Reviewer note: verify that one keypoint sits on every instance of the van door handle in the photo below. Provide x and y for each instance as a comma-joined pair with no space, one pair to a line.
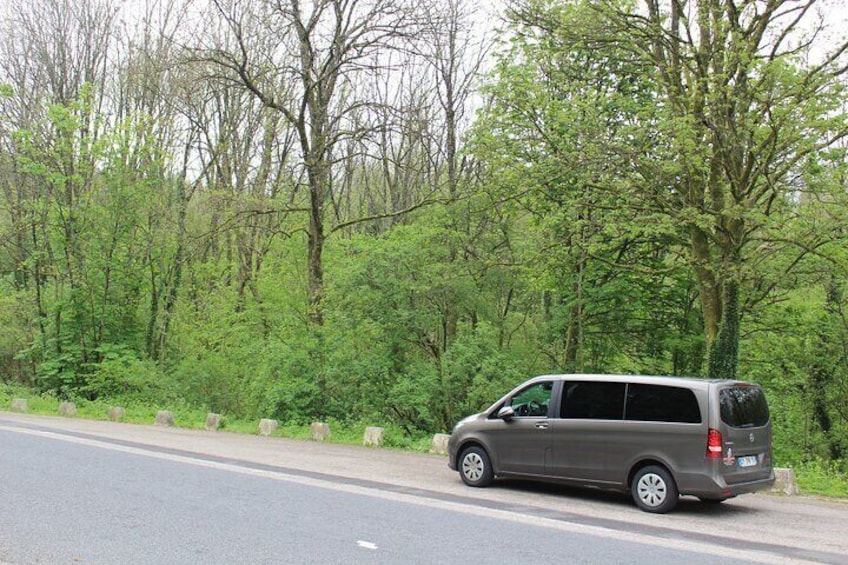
541,425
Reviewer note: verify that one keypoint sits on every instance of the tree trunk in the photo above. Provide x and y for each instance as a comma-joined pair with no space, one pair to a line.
723,351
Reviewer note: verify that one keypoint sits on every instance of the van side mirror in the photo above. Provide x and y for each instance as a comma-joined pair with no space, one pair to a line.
506,413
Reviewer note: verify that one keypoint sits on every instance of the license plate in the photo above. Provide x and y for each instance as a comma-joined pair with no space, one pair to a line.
747,461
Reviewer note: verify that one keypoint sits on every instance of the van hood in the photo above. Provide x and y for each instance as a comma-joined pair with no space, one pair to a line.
466,420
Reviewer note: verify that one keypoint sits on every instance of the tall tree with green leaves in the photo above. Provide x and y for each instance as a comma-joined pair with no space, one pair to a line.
733,113
557,137
742,110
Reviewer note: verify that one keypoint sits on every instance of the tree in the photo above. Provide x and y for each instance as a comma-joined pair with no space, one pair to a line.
55,59
303,61
742,113
157,100
455,52
561,124
733,114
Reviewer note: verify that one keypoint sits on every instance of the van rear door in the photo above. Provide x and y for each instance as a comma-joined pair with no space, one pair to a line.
745,430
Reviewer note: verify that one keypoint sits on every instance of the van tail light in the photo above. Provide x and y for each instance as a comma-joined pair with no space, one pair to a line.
713,443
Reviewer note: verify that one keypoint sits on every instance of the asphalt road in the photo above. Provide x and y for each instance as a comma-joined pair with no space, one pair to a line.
75,491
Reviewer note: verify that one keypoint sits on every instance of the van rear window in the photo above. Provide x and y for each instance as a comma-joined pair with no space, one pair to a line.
743,406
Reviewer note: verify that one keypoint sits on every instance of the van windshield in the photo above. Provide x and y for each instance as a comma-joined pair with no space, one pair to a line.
744,406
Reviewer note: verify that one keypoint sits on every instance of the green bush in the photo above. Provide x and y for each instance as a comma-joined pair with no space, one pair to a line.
821,477
121,373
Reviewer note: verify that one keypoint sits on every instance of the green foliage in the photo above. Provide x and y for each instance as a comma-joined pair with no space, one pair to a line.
17,320
93,188
59,373
827,478
296,390
799,342
120,373
410,336
558,141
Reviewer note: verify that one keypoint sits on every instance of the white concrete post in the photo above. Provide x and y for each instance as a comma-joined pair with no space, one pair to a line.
164,418
213,422
68,409
373,437
267,426
439,444
320,431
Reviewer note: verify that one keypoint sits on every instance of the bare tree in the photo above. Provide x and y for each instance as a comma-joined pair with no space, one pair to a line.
455,47
400,162
302,60
157,98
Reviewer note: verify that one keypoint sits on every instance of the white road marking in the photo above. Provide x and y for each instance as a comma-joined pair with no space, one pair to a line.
491,513
366,544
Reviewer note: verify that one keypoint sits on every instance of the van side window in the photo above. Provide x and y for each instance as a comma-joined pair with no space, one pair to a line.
658,403
592,400
533,401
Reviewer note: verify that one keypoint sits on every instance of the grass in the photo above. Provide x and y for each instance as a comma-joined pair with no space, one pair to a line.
137,412
822,478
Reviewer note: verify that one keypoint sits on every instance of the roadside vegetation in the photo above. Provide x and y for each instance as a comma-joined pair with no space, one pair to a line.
389,211
192,417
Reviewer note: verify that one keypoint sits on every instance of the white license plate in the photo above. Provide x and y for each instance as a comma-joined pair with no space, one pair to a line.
747,461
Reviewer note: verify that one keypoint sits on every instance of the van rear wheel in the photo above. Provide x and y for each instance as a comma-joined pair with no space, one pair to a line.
475,468
654,490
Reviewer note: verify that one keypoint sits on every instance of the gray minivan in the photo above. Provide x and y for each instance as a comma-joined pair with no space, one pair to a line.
658,437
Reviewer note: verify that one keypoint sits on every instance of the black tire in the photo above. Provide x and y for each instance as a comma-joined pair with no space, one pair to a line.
475,467
654,490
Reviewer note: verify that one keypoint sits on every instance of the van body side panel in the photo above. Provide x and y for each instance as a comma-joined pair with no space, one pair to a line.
605,451
679,447
522,446
584,450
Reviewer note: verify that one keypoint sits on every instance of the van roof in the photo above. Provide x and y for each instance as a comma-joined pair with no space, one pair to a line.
644,379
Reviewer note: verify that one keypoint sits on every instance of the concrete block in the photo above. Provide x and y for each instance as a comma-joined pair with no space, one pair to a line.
373,437
19,405
320,431
785,482
439,444
67,409
116,413
267,427
213,422
164,418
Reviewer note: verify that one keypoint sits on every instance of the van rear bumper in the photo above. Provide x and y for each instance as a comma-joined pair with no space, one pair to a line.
706,486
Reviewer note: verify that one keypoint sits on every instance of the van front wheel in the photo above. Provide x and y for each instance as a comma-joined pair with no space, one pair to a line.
475,468
654,490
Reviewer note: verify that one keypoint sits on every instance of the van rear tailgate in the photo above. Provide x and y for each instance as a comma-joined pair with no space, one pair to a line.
746,434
